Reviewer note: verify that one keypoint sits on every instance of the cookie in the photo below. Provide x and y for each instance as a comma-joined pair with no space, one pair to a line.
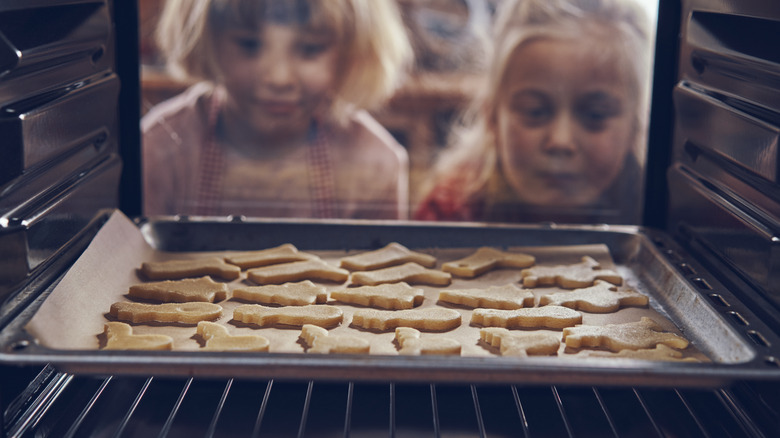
391,255
218,338
182,313
320,315
411,273
486,259
660,352
645,333
574,276
178,269
602,297
494,297
320,341
391,296
312,269
288,294
521,344
281,254
119,336
534,317
180,291
430,319
411,343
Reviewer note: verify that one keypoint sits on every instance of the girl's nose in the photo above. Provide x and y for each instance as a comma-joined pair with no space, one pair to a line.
561,138
277,71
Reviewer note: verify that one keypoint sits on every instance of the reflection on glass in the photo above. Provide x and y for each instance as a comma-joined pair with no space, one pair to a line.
512,110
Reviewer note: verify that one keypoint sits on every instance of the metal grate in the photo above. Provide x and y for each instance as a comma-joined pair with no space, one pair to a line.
64,405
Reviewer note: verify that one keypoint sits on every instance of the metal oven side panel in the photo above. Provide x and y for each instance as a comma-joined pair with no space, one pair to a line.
724,185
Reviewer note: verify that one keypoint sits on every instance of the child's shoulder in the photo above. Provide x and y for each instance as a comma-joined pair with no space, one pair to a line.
185,108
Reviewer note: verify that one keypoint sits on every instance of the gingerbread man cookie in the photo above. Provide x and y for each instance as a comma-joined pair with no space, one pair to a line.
645,333
391,296
573,276
532,317
602,297
288,294
495,297
179,291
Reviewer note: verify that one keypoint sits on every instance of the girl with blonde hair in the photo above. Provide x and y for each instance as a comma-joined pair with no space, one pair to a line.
559,131
276,123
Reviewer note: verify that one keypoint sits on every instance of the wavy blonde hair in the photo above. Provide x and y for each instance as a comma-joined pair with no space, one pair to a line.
471,160
370,34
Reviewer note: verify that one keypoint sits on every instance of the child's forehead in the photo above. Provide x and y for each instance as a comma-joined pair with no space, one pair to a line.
255,14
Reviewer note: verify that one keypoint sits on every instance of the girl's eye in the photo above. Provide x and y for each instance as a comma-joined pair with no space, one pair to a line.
532,110
312,50
249,46
594,114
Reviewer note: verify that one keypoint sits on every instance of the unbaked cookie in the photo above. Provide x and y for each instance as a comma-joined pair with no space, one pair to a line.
645,333
392,254
312,269
119,336
321,341
494,297
320,315
281,254
178,269
181,313
521,344
180,291
486,259
573,276
288,294
532,317
430,319
412,343
411,273
218,338
391,296
602,297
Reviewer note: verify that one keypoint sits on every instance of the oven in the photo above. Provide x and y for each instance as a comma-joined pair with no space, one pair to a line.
707,247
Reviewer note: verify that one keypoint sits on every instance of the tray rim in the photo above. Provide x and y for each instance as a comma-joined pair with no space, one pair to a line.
17,347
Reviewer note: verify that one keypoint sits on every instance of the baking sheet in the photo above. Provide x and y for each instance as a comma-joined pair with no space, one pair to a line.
66,327
74,314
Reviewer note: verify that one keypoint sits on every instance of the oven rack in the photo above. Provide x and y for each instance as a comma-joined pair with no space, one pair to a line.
59,404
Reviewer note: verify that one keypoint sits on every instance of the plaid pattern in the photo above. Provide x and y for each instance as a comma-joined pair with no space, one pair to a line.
320,170
212,166
321,182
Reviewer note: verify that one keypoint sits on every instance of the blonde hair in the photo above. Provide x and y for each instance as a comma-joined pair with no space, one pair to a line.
472,159
370,33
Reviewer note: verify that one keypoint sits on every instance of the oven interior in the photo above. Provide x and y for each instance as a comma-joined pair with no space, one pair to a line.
712,185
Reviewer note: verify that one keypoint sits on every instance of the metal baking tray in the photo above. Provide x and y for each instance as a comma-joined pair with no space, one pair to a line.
739,344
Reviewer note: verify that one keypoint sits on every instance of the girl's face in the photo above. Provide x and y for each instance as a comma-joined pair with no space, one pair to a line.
278,77
564,122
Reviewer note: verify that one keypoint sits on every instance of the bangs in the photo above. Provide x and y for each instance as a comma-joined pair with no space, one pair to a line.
253,14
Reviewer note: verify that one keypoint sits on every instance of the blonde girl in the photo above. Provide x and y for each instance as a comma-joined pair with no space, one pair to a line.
558,133
276,122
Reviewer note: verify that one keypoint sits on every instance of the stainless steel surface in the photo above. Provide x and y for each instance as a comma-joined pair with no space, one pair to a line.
185,407
710,315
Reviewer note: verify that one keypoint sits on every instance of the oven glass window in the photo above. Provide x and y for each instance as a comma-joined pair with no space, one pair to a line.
469,110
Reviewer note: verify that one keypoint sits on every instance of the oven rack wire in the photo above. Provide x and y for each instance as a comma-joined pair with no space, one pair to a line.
59,404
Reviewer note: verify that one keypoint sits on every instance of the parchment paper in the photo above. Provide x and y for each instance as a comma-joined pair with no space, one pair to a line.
74,314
